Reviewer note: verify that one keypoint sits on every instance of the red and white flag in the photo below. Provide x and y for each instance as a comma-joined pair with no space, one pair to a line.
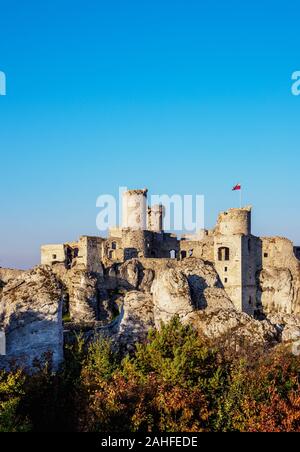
237,187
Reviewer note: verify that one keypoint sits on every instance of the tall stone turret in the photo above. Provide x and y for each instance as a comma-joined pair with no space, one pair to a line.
135,209
155,218
235,257
235,221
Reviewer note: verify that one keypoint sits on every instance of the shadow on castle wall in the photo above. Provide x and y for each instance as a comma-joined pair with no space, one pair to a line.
259,312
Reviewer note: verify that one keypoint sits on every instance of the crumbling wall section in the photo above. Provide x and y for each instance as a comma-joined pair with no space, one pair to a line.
203,249
51,254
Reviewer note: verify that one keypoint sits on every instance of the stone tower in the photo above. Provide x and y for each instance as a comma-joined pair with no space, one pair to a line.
134,223
155,218
135,209
235,257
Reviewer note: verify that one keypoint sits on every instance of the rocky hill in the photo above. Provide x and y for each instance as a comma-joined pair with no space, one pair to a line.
125,300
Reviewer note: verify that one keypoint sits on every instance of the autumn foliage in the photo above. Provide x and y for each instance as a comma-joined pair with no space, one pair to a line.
176,381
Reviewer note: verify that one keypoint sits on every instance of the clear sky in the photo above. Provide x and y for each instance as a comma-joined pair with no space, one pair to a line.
179,96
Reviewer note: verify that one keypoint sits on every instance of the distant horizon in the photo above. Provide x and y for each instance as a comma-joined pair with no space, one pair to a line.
182,97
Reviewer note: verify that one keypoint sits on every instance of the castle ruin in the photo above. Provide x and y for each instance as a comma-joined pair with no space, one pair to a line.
238,256
224,282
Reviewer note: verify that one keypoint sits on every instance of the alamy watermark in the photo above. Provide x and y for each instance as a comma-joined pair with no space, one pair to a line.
2,84
296,85
181,213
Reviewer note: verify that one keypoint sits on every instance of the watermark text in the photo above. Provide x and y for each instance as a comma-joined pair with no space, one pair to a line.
180,213
2,84
296,85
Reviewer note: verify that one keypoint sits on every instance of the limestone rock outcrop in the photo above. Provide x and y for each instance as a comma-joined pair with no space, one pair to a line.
288,325
200,275
83,296
214,315
86,297
8,274
279,290
164,290
171,296
129,274
147,278
193,292
31,317
125,300
231,325
136,318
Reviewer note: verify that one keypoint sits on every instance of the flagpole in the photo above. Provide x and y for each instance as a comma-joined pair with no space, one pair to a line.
239,188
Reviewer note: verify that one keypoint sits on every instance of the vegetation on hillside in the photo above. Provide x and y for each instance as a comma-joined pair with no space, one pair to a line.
175,381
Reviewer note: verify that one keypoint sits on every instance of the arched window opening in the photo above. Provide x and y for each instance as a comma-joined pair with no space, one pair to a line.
173,254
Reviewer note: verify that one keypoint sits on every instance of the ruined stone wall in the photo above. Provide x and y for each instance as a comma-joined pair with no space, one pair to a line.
82,256
198,236
155,218
115,233
250,260
134,243
93,246
52,253
113,249
140,244
203,249
278,252
162,245
87,253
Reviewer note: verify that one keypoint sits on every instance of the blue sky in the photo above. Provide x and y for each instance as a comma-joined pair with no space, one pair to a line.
182,97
